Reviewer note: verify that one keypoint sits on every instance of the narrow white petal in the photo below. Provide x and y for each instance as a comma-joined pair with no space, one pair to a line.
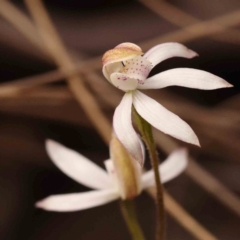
123,82
164,51
77,201
173,166
185,77
162,119
122,124
77,166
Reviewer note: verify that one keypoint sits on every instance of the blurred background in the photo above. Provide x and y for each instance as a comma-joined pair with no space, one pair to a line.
36,104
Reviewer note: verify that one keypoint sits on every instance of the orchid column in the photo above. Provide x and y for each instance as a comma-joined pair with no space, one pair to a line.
127,68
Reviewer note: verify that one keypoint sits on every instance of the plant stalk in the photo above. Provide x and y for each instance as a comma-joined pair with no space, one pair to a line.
146,131
129,214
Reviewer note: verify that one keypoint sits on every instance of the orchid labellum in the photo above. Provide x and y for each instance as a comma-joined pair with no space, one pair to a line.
123,178
127,68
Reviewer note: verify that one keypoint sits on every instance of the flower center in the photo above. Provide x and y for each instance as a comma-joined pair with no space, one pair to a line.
137,68
131,73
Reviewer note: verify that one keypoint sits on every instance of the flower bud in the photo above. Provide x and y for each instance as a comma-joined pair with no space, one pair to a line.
128,171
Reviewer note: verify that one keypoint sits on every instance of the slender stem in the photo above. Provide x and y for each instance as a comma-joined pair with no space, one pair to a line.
129,214
147,136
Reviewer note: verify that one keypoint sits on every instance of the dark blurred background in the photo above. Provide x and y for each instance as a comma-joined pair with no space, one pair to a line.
28,116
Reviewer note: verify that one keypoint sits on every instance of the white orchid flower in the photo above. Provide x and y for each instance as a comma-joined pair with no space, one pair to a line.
107,185
127,68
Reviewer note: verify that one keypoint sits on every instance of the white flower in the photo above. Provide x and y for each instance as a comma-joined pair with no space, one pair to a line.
127,68
106,183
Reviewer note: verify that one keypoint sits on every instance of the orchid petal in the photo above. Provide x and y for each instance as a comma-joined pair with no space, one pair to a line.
109,165
164,51
123,82
77,166
77,201
138,68
111,68
162,119
122,124
173,166
185,77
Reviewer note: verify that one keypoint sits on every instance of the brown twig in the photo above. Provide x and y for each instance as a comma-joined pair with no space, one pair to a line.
61,57
21,23
205,28
202,176
182,19
186,220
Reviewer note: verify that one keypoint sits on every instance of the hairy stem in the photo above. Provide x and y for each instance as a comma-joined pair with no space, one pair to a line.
129,214
147,136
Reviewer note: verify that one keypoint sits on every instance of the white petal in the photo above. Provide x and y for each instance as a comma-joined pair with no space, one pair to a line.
123,82
77,201
138,68
164,51
122,124
112,173
185,77
173,166
111,68
77,166
162,119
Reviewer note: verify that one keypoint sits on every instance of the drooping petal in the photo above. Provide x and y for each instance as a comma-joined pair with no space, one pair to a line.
162,119
112,59
77,166
123,82
138,68
122,124
77,201
164,51
185,77
173,166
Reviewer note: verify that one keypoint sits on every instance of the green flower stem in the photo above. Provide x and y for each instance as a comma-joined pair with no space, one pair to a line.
146,131
129,214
